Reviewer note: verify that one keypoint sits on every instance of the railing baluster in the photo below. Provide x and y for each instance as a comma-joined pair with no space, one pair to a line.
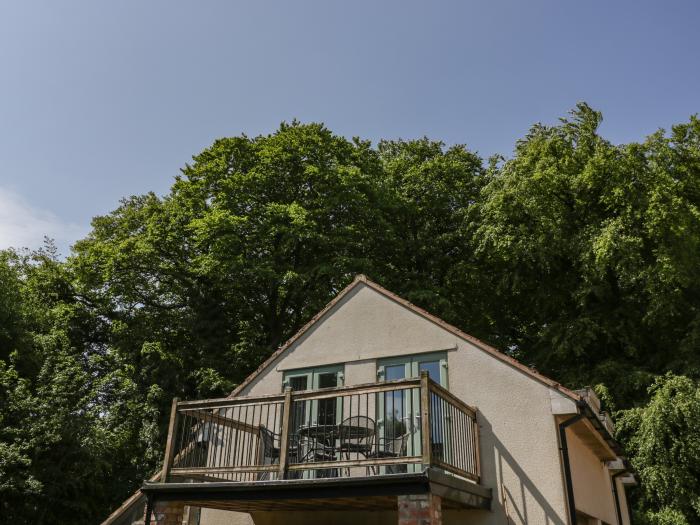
220,437
446,436
237,438
477,454
463,439
229,438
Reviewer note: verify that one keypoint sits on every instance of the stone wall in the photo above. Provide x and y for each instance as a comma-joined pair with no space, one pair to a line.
420,509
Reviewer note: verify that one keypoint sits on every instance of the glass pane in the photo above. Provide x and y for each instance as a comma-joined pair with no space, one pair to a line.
433,369
394,424
299,382
393,372
327,411
327,407
393,408
327,380
437,412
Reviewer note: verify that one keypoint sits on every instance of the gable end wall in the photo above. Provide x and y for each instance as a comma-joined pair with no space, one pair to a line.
519,448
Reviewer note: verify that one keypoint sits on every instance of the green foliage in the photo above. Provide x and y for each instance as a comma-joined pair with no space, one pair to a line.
663,438
64,439
596,250
665,516
429,191
575,255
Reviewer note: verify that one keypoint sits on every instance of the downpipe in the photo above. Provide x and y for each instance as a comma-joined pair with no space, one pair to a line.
616,495
563,447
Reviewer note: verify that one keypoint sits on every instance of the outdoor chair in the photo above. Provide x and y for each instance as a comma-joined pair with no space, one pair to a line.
270,451
356,443
316,452
390,447
356,437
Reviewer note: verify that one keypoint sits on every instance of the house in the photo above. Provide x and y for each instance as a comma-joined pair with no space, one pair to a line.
378,412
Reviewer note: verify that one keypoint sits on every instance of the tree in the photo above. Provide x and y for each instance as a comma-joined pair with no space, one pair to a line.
430,191
254,237
575,255
195,289
58,389
663,439
594,247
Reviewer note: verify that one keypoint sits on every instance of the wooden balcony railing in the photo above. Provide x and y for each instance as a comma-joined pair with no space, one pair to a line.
380,428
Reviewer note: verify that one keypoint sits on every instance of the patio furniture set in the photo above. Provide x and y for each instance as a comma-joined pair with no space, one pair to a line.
314,443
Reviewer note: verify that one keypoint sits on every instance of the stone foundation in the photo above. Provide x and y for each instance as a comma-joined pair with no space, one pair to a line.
168,513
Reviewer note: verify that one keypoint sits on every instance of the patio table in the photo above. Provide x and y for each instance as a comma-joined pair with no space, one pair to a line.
328,434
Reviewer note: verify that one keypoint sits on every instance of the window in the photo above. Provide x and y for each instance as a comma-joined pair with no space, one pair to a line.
404,367
314,378
316,412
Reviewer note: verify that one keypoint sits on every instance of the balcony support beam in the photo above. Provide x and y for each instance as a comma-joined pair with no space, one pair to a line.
368,493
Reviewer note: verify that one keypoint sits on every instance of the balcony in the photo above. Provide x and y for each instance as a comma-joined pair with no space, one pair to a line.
322,448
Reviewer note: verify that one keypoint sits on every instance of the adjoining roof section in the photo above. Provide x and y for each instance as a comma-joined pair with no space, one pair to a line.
362,279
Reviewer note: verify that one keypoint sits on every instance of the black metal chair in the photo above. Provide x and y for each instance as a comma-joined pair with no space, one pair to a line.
318,453
390,447
270,450
356,437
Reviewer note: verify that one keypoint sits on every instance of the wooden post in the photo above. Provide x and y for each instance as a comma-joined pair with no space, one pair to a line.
170,443
477,451
284,437
149,510
425,419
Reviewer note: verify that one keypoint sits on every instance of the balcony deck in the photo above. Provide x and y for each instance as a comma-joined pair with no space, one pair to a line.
334,494
336,448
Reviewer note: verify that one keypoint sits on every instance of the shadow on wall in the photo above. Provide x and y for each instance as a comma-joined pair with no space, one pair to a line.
510,499
515,502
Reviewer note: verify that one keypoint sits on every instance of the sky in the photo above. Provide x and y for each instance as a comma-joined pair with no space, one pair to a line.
100,100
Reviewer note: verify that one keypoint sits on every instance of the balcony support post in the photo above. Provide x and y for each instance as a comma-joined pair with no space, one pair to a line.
284,437
170,443
427,451
419,509
149,510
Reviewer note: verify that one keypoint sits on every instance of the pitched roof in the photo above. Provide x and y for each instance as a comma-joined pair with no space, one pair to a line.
362,279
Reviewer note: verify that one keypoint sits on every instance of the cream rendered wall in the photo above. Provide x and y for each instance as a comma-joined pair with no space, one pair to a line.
591,480
519,448
624,509
363,326
222,517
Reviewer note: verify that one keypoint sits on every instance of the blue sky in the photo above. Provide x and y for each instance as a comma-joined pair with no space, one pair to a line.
101,100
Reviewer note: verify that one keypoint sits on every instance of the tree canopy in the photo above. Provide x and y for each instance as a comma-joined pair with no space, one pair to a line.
577,256
596,248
